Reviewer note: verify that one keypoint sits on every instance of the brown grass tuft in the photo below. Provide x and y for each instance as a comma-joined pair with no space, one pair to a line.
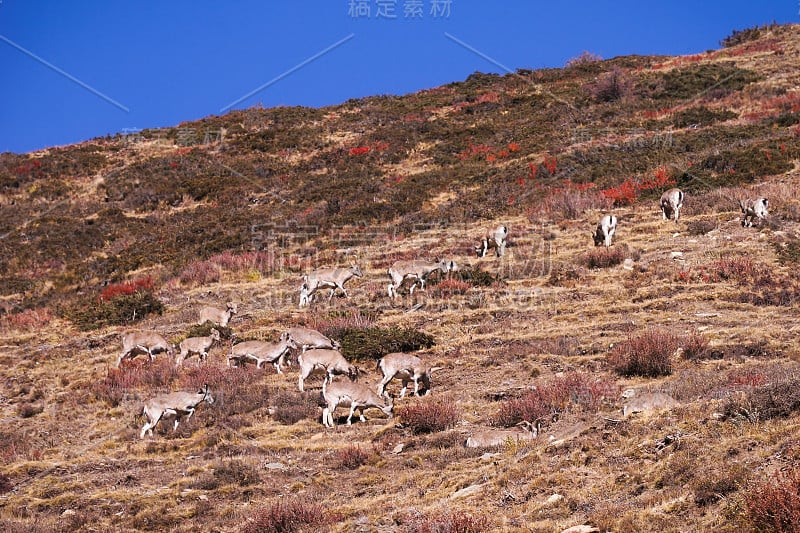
447,522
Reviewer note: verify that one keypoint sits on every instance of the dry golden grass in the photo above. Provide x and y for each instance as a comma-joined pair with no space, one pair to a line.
647,471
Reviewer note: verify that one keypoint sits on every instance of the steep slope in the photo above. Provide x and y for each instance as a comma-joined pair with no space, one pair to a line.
236,208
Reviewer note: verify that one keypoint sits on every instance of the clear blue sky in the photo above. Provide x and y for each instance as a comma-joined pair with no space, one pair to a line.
74,70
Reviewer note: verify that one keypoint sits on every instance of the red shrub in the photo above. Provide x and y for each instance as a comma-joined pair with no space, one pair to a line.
648,354
351,457
746,378
27,320
556,396
358,150
604,257
696,346
127,288
290,515
550,164
138,373
200,273
774,505
448,288
429,415
623,194
236,390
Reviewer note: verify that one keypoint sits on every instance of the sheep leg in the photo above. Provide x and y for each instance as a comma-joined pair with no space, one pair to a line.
403,390
352,410
382,385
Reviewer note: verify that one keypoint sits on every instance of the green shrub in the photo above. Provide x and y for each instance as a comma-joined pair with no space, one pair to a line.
475,276
696,80
746,35
701,115
204,330
375,342
122,310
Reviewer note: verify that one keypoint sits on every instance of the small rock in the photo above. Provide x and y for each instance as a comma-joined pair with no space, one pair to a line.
628,264
676,255
555,498
648,402
69,512
467,491
398,449
580,529
275,466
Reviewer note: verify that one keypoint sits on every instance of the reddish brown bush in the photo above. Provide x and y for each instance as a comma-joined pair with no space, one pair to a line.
351,457
605,257
737,268
610,86
13,445
777,398
135,374
200,273
696,346
429,415
290,515
27,320
586,58
774,504
126,288
234,472
574,390
568,202
236,390
291,407
648,354
5,484
448,288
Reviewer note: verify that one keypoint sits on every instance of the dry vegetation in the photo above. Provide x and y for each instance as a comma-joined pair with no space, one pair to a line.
112,235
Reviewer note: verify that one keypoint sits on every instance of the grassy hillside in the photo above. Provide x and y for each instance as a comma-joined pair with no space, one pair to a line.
139,232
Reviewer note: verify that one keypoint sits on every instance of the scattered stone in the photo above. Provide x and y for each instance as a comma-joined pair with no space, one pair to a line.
580,529
398,449
648,402
554,499
467,491
274,466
